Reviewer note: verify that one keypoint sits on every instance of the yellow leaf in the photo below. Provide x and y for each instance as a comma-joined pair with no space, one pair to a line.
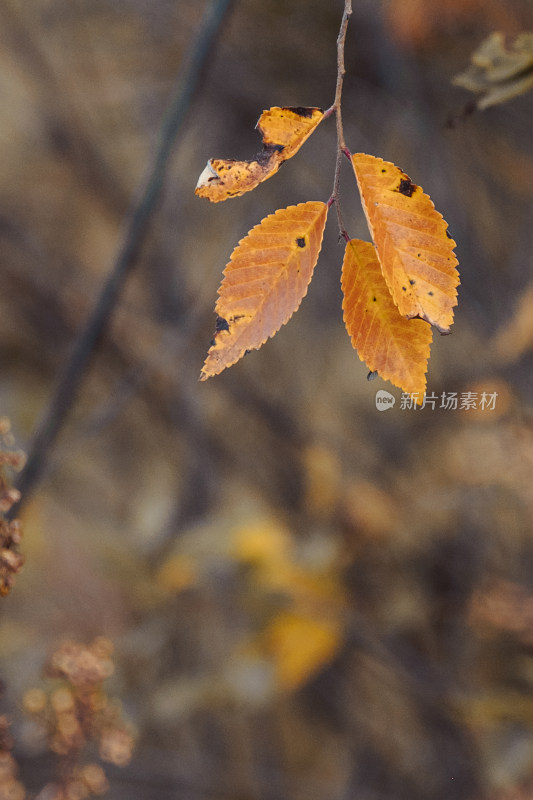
300,646
265,281
391,345
283,131
412,244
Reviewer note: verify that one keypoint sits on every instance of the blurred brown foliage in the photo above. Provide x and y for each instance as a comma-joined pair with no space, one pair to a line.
11,559
307,597
76,713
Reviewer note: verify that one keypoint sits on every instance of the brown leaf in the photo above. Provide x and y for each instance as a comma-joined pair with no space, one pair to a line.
500,74
283,131
265,281
412,244
396,347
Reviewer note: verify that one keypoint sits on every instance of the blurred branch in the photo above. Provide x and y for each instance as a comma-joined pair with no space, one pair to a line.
135,231
66,129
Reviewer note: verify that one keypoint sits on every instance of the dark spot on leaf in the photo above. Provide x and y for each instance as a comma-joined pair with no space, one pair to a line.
212,178
404,288
374,299
221,324
384,170
302,112
372,375
430,294
237,317
300,242
412,282
246,352
406,187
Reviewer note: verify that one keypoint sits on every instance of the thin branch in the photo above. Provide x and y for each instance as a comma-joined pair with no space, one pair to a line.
336,108
136,228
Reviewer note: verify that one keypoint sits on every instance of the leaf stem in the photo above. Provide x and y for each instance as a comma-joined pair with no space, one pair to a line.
336,108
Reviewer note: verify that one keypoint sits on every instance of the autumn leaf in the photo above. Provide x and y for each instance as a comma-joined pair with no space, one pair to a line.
225,178
412,244
497,72
265,281
395,347
283,131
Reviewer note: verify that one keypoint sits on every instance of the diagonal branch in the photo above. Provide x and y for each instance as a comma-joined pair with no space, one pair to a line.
135,231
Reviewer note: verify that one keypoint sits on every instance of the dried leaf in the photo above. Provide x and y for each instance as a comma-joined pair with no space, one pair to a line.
288,128
265,281
412,244
395,347
500,74
283,130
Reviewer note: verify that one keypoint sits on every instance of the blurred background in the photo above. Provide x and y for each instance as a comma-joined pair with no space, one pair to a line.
307,598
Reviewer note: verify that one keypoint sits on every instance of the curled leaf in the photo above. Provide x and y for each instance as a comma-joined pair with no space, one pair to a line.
395,348
265,281
412,244
283,131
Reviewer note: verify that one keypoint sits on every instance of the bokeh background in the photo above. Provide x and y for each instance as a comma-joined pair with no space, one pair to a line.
307,598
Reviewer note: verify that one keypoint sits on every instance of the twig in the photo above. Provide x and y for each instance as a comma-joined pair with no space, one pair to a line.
336,108
136,228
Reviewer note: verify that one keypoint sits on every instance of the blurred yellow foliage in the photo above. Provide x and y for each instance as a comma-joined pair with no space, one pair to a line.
179,572
306,633
323,478
262,542
370,510
299,646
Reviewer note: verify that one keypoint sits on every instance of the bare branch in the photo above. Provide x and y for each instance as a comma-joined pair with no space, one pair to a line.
136,228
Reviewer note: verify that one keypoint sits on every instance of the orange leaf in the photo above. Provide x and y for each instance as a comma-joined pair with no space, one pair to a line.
413,247
283,130
288,128
265,281
395,347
